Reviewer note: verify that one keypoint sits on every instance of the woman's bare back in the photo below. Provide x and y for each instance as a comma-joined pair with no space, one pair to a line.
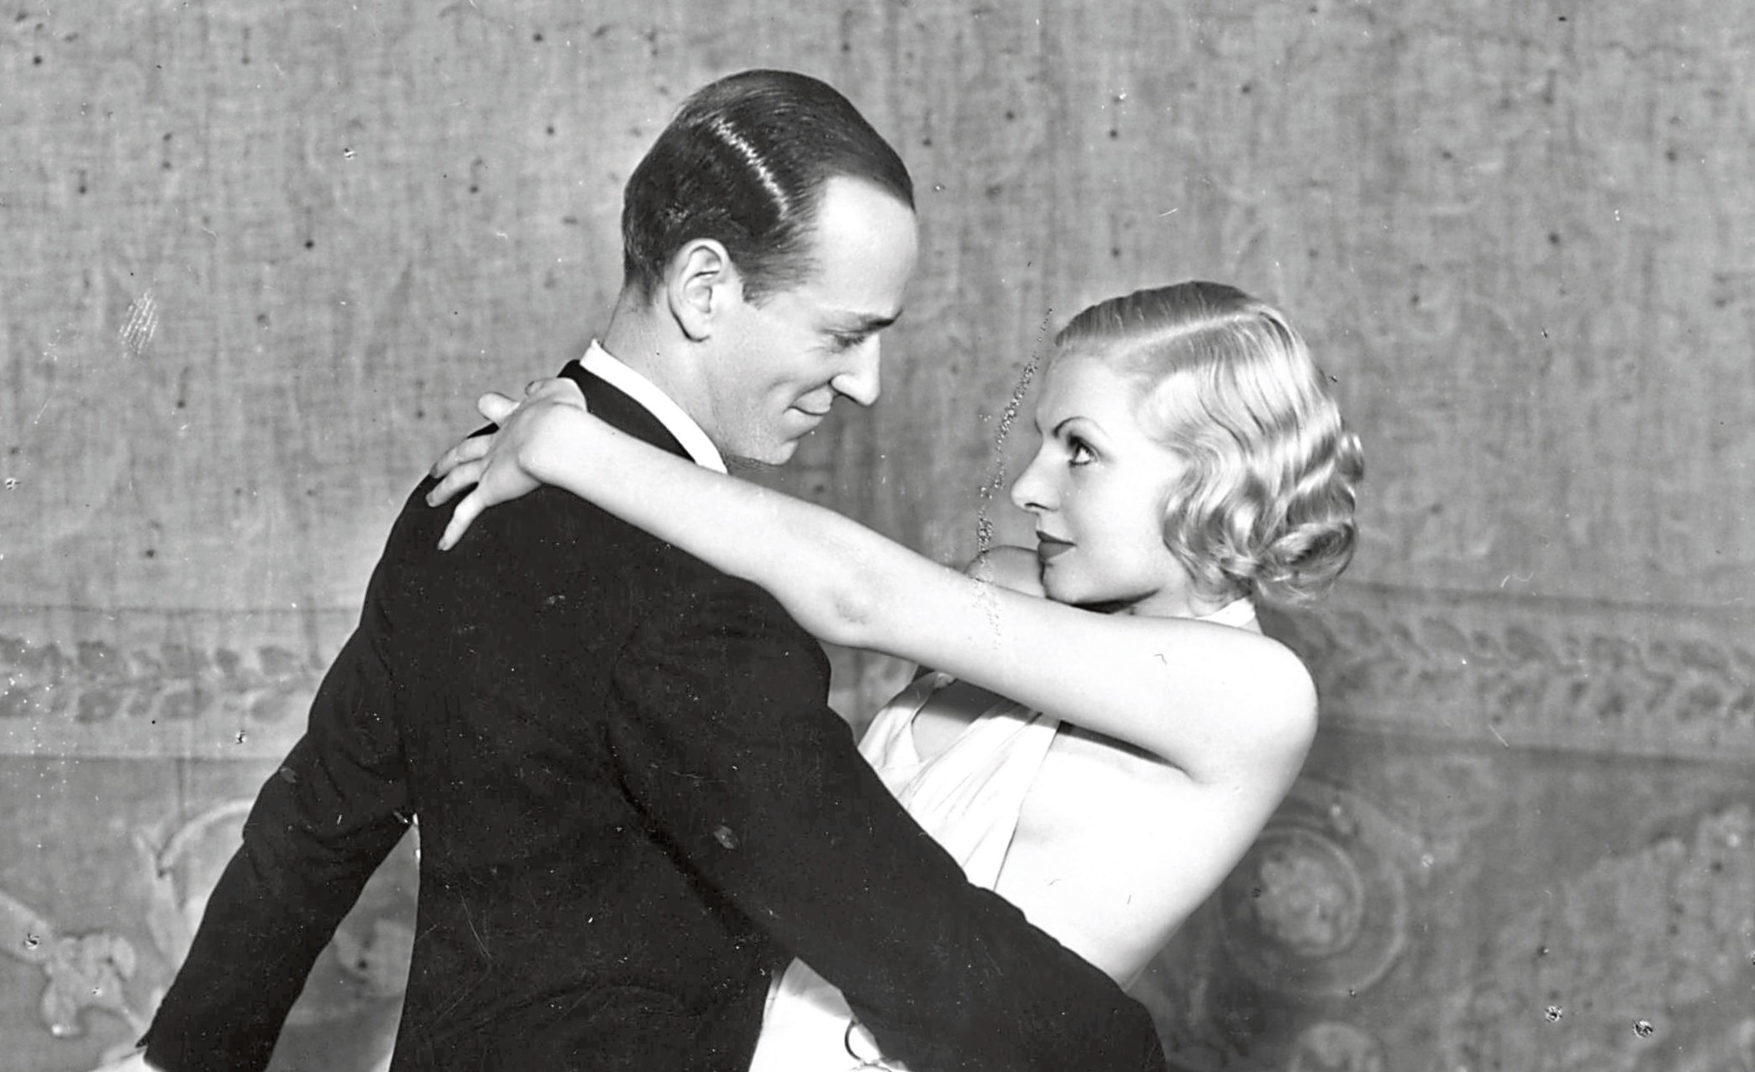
1114,847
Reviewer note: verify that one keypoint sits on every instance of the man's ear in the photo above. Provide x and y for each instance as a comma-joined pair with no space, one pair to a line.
700,285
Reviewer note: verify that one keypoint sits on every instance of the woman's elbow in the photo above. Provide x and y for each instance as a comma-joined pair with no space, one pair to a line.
844,618
846,606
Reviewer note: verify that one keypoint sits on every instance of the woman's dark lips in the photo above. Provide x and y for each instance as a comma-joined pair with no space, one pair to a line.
1047,547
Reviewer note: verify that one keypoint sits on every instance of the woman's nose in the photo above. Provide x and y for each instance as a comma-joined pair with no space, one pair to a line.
1029,491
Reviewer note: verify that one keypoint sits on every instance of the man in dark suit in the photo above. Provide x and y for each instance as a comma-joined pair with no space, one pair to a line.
634,803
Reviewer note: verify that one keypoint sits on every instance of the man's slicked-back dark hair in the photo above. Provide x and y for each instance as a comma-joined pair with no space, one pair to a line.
744,162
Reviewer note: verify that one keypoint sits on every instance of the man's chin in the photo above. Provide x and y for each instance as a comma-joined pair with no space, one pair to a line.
771,458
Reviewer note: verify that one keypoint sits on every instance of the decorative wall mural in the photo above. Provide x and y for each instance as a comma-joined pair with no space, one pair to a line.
364,970
1318,906
146,683
1334,1046
353,994
1285,968
1626,965
99,682
1445,799
82,973
1349,937
1573,675
1512,673
1316,915
182,871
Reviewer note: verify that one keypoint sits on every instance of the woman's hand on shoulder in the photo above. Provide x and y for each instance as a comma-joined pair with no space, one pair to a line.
1009,567
507,462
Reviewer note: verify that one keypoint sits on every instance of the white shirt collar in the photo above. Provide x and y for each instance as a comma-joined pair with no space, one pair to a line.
606,366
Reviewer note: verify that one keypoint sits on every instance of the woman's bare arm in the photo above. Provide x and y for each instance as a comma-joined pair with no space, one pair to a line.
1220,703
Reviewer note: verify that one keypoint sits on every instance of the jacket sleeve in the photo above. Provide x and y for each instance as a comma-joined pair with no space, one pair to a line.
320,826
726,741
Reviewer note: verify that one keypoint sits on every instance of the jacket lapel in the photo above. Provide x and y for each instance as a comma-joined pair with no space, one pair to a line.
621,411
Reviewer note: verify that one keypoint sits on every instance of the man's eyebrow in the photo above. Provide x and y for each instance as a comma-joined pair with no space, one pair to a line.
862,323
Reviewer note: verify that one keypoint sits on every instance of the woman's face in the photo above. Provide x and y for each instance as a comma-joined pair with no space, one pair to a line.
1098,487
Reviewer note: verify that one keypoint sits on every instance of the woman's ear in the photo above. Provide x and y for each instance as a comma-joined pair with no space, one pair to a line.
701,283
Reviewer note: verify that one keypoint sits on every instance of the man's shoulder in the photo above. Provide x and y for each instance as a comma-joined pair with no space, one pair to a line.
551,535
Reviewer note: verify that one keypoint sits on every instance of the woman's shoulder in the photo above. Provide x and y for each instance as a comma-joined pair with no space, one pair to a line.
1259,665
1263,689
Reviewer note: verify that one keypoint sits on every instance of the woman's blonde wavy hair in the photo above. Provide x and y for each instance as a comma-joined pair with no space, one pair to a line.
1265,507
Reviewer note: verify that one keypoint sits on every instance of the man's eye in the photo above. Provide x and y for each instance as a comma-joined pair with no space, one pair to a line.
845,342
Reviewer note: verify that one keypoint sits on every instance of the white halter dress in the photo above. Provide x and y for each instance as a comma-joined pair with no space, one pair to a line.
968,797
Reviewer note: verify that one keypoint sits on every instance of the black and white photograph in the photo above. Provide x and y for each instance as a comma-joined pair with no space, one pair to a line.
911,535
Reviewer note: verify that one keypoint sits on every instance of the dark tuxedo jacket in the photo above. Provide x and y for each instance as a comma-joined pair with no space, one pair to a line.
634,804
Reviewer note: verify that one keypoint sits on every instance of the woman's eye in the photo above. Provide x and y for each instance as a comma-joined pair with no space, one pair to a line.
1078,453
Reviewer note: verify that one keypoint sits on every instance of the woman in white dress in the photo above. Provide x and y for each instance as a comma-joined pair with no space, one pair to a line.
1104,729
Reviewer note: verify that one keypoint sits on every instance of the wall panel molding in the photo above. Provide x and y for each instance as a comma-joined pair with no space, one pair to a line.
142,683
1528,672
1518,672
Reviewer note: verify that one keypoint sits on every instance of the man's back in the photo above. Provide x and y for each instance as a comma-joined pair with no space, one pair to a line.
555,919
559,925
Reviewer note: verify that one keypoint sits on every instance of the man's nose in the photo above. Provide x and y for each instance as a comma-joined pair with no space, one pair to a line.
860,379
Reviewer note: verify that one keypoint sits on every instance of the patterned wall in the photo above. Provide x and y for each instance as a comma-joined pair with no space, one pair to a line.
260,259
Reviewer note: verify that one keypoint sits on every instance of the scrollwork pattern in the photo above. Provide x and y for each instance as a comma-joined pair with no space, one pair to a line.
1534,673
98,695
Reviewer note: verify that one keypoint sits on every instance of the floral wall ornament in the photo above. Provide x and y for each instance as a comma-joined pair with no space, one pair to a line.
1446,799
356,986
81,971
1318,907
371,953
1308,895
1336,1046
360,977
182,871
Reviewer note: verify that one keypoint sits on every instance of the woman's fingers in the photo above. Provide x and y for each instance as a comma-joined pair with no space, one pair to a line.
461,518
459,476
467,451
495,406
469,463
